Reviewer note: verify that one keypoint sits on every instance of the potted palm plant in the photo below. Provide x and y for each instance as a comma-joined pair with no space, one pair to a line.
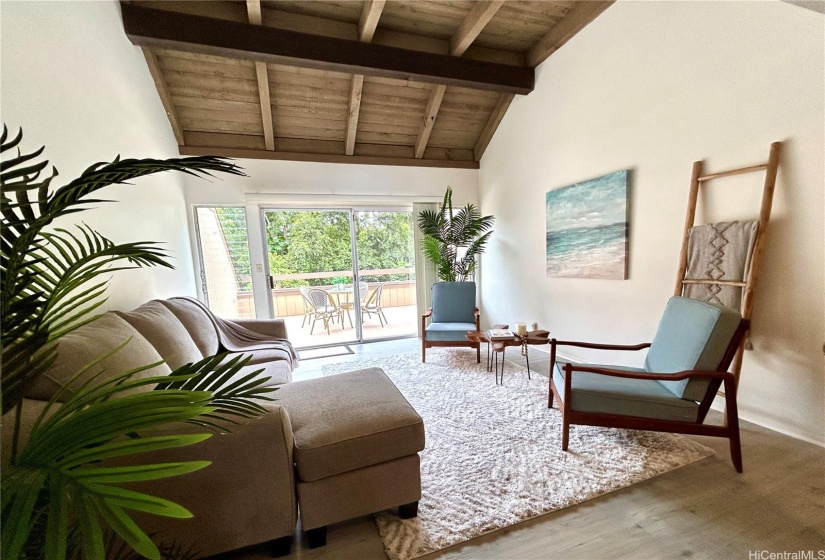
453,240
59,497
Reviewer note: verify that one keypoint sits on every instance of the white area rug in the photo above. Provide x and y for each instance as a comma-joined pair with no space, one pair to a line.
493,454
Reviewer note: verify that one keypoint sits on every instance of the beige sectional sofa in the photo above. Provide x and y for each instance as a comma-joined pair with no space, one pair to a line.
342,446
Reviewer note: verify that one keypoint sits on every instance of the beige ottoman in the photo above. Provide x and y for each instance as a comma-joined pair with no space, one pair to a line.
356,448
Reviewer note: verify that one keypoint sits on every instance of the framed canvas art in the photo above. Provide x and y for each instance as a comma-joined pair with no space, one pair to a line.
587,229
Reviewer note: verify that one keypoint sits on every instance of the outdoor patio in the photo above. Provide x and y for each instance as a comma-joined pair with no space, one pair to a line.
401,321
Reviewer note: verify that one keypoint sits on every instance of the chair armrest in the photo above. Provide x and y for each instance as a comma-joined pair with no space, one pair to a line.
651,375
476,312
596,346
428,313
275,328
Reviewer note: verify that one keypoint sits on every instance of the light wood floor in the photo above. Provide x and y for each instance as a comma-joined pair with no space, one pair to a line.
703,511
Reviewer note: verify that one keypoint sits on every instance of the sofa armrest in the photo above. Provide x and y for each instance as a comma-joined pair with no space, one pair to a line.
245,497
269,327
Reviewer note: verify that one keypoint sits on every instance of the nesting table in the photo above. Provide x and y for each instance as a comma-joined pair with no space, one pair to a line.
499,346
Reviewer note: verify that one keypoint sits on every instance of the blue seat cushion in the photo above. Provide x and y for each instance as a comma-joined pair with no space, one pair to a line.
454,302
641,398
452,332
692,335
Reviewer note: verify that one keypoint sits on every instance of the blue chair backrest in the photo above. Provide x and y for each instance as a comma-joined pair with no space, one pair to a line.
454,302
692,335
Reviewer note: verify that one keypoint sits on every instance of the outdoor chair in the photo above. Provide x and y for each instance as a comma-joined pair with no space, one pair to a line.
326,309
372,305
452,315
309,307
686,364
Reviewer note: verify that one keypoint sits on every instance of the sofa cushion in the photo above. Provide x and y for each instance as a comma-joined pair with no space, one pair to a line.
349,421
162,329
453,332
454,302
278,370
86,344
642,398
692,335
197,324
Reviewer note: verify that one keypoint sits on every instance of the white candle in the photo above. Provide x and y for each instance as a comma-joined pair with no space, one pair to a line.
521,329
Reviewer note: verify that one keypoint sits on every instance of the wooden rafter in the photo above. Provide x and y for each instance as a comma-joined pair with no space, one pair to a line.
255,18
582,14
369,19
366,29
470,28
472,25
355,93
189,33
163,92
503,104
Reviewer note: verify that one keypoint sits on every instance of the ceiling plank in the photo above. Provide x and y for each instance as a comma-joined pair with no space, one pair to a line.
369,19
253,7
492,124
433,105
470,28
354,110
151,27
366,29
575,20
163,91
472,25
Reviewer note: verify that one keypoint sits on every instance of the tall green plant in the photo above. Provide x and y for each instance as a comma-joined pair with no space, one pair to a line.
452,240
59,481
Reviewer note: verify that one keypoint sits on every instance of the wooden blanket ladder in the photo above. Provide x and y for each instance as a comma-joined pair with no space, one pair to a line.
751,277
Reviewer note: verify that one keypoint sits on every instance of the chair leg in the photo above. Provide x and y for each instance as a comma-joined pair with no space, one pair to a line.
317,537
280,547
423,350
408,511
565,433
732,413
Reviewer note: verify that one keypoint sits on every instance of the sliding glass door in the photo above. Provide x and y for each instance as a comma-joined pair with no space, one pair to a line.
341,275
386,272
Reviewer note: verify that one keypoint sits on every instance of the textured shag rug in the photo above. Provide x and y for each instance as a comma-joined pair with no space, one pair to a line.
493,454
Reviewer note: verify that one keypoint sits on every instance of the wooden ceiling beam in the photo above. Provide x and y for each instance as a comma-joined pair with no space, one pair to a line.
366,29
356,91
163,92
470,28
433,105
369,19
573,22
152,27
472,25
253,7
328,152
502,105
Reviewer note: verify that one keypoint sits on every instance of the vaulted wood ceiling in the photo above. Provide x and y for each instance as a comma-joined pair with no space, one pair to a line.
397,82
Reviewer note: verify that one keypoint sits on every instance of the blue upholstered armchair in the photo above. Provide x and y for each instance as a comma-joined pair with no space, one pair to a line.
686,364
452,316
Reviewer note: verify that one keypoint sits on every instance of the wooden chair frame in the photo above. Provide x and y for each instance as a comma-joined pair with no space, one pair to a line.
457,343
729,430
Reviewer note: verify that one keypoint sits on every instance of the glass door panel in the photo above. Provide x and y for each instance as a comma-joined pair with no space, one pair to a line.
226,278
386,273
311,275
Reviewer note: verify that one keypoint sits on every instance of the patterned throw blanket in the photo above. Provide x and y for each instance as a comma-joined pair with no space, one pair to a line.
720,251
235,338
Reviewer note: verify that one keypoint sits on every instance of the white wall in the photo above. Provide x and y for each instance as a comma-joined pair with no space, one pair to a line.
651,87
75,84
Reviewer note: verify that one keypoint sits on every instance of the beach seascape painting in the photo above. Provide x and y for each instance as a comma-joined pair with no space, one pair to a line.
587,229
